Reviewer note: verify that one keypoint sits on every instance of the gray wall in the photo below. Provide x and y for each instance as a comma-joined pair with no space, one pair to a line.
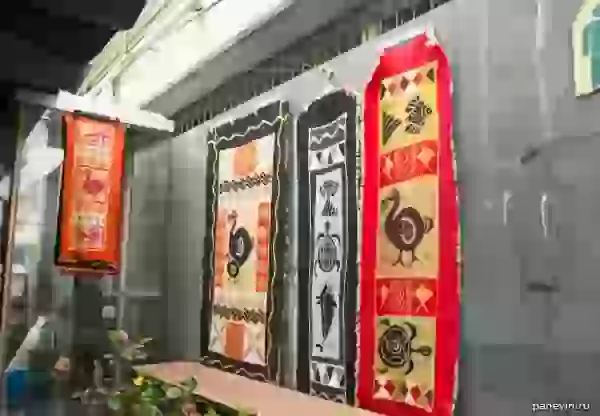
186,242
146,274
525,222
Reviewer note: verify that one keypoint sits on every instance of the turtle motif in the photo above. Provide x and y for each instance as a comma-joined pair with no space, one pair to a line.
395,346
327,245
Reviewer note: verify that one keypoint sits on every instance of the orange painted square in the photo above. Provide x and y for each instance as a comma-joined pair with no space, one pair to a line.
234,340
263,236
262,282
262,266
262,252
264,215
219,270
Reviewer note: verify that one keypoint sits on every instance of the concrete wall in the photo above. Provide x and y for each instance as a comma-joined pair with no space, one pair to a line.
146,274
186,221
528,223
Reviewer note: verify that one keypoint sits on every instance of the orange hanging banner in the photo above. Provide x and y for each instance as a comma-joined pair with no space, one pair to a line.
89,227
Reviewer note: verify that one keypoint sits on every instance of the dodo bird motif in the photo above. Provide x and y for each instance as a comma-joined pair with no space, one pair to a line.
92,186
240,246
404,228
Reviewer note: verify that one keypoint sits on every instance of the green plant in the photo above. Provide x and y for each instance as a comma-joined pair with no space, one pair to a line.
143,396
126,348
148,397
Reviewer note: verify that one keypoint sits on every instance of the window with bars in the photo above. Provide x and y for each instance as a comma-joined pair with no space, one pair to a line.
351,30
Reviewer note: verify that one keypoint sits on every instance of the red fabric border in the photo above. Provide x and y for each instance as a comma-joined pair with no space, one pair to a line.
84,261
415,53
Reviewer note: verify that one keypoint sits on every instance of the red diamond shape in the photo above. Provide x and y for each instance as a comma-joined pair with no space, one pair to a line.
404,83
415,393
418,78
390,387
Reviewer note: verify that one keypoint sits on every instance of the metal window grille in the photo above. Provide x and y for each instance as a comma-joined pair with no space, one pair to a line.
351,30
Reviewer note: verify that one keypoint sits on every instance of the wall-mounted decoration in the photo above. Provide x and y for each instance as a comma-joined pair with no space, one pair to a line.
410,310
586,48
245,234
89,229
327,236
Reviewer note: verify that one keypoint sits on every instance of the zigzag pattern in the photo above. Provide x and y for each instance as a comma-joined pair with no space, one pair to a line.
252,181
340,124
255,316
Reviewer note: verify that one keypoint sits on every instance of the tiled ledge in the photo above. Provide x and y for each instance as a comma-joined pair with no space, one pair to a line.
238,392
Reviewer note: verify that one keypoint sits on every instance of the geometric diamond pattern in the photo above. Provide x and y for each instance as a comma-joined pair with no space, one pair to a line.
404,392
419,397
217,335
406,82
390,387
328,375
321,159
380,389
255,344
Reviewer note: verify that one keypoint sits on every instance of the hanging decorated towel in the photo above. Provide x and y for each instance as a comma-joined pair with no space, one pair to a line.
409,314
327,235
245,243
89,227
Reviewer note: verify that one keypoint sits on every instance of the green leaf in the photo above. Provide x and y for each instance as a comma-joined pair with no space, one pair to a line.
116,336
211,412
144,341
174,392
151,410
190,384
128,353
114,403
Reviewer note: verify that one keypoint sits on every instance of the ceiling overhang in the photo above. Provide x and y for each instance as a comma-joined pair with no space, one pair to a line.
48,44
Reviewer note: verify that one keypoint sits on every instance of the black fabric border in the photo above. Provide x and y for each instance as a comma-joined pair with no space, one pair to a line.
320,112
228,136
59,231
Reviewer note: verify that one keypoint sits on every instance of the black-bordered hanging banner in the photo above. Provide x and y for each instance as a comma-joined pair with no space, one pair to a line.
327,247
245,243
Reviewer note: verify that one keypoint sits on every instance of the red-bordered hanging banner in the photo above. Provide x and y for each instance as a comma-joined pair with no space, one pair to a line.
410,304
89,228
